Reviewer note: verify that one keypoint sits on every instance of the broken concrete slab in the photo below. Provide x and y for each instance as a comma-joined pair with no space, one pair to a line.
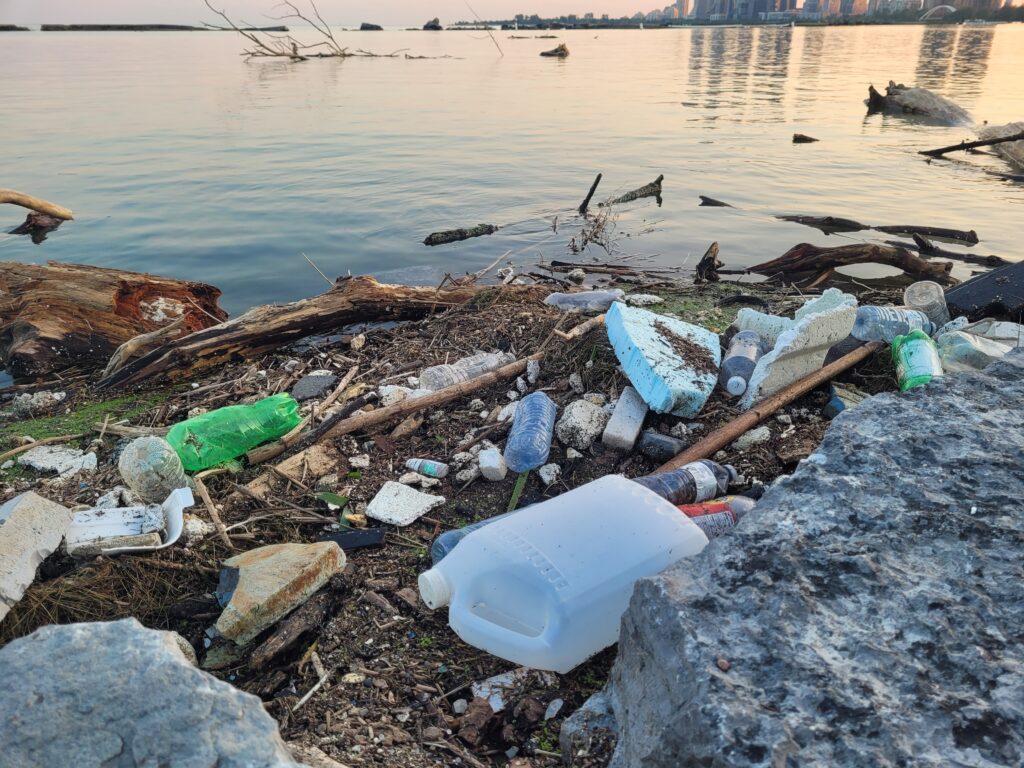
262,586
800,348
400,505
64,460
118,694
672,364
31,528
889,560
627,420
580,424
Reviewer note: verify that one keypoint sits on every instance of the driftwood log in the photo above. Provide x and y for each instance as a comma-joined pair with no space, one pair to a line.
712,203
593,188
263,328
810,263
970,237
455,235
59,315
37,226
803,138
647,190
926,247
35,204
827,224
708,266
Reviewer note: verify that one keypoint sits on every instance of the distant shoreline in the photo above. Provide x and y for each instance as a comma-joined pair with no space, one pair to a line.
131,28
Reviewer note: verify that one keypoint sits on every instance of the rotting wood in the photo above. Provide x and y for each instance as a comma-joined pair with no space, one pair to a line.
37,226
45,326
406,407
580,330
309,617
130,348
264,328
966,145
455,235
593,188
647,190
970,237
762,410
708,266
712,202
811,260
36,204
827,224
204,494
926,247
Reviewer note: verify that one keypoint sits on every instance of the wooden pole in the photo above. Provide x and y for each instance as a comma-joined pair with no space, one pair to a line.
722,437
964,145
35,204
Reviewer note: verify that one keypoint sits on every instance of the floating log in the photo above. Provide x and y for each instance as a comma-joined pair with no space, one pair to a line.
648,190
59,315
811,260
711,202
35,204
926,247
263,328
455,235
965,145
901,99
37,226
970,237
801,138
560,52
586,201
708,266
827,224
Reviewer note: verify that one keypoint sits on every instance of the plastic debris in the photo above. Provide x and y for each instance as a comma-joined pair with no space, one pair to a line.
529,440
400,505
468,368
627,420
152,469
428,467
928,297
916,358
692,483
114,531
585,301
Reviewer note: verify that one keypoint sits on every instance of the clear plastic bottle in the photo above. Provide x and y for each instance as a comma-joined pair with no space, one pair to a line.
152,469
917,360
529,440
546,586
692,483
468,368
886,323
745,349
447,541
585,301
719,516
928,297
428,468
227,433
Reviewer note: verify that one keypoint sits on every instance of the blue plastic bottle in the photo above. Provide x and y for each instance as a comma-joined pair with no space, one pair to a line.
529,441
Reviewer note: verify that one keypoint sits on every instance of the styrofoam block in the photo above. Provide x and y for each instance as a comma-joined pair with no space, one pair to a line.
626,422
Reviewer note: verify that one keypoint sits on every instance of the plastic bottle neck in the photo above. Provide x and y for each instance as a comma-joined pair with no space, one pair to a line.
434,589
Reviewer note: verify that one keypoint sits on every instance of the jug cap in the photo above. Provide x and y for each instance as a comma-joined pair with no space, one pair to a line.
434,589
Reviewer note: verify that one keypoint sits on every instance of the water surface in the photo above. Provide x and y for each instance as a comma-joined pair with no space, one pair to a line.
181,158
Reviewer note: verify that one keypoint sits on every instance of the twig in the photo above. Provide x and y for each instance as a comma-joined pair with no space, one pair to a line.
586,201
204,494
314,266
321,673
964,145
488,31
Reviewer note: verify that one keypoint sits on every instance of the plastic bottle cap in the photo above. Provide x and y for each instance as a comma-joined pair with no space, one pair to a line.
736,386
434,589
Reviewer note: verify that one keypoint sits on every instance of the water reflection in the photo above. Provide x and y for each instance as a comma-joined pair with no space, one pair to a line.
935,57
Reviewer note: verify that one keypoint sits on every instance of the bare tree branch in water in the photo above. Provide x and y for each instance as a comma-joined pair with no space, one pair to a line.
266,44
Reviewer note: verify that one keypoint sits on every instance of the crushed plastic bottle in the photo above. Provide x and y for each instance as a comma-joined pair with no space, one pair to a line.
152,469
546,586
691,483
886,323
585,301
428,468
917,360
719,516
468,368
745,349
227,433
529,440
928,297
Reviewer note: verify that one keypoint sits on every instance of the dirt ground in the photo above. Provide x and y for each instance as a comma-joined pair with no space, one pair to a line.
395,672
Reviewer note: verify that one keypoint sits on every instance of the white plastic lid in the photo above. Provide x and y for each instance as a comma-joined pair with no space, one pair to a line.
434,589
736,385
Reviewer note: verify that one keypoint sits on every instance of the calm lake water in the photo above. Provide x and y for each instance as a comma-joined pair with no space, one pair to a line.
180,158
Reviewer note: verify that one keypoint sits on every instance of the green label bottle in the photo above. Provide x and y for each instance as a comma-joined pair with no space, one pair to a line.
916,358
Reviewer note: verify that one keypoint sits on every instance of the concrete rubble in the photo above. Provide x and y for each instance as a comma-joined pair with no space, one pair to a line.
261,586
31,528
868,614
117,694
580,424
59,459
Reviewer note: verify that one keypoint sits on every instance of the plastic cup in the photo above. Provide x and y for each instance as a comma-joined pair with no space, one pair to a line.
928,297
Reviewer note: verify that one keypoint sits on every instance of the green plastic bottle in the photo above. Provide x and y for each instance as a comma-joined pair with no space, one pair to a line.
227,433
916,358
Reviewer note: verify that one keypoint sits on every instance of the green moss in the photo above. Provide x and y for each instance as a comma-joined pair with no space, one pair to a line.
83,418
547,736
697,304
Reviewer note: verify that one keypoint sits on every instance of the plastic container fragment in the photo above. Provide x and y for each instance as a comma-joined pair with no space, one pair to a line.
964,351
692,483
916,358
546,586
447,541
152,469
428,468
585,301
529,440
227,433
886,323
928,297
745,349
468,368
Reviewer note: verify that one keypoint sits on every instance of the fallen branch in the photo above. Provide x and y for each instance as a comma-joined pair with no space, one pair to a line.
647,190
35,204
926,247
810,259
965,145
593,188
761,411
126,351
364,420
581,329
204,494
826,224
708,266
970,236
455,235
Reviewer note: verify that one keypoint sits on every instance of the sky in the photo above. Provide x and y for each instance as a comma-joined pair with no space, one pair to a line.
389,12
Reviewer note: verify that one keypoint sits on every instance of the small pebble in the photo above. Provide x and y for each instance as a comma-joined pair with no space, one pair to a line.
550,473
460,706
784,418
362,461
723,664
679,431
512,395
468,475
533,371
572,454
477,404
576,382
521,385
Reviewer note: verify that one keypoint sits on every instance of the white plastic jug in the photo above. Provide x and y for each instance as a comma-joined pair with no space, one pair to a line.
547,586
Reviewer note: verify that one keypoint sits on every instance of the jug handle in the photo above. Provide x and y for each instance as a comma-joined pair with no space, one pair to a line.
477,631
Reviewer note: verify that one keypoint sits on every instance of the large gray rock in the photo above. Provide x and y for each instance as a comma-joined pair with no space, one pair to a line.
119,695
868,613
